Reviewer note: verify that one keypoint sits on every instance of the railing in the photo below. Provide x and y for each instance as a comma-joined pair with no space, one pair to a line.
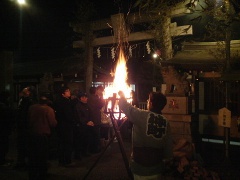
142,105
215,96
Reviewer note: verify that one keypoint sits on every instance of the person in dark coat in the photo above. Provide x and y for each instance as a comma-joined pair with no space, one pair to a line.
41,120
84,126
6,123
65,117
25,102
95,103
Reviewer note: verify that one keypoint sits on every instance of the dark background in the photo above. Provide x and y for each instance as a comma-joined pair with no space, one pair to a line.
41,31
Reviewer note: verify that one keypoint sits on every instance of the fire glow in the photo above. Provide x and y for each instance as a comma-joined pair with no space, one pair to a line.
119,84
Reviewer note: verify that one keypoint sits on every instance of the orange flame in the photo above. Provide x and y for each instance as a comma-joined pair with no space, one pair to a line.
119,82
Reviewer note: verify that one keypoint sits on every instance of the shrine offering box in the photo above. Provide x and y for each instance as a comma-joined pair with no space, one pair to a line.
178,105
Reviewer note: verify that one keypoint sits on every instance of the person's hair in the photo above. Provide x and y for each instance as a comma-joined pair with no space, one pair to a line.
25,91
158,101
92,90
63,89
101,88
43,100
32,89
81,94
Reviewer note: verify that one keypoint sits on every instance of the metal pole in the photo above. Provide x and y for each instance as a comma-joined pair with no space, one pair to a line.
104,150
119,139
121,146
227,36
226,129
227,70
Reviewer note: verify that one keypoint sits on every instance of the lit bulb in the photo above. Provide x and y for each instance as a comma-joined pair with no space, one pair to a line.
21,2
155,55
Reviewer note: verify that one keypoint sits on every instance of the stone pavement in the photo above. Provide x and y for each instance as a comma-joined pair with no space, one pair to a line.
111,165
215,159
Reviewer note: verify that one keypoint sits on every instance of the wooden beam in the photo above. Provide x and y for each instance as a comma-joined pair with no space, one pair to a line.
212,74
95,25
134,18
182,30
119,27
136,36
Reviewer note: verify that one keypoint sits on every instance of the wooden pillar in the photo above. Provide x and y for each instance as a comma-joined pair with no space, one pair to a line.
227,70
163,36
89,59
119,28
166,40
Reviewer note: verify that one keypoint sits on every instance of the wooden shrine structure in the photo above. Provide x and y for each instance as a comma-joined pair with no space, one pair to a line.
119,25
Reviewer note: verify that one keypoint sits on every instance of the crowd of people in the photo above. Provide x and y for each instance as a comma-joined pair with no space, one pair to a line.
76,120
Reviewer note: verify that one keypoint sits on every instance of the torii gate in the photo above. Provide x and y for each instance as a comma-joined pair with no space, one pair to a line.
118,23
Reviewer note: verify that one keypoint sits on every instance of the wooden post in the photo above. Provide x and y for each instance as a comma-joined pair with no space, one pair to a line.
88,59
166,39
227,70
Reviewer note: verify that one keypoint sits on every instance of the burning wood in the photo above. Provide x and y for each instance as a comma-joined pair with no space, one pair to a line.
119,83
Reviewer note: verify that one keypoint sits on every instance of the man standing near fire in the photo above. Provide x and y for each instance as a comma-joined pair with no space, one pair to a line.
65,118
95,103
151,139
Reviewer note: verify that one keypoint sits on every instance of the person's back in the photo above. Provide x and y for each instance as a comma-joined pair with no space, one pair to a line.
41,120
151,140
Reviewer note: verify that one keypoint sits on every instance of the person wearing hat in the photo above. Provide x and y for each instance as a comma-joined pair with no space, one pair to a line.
83,126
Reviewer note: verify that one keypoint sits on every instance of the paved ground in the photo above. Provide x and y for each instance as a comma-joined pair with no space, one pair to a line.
215,159
111,165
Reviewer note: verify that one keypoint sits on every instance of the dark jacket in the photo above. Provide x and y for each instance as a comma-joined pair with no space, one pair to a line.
95,104
6,119
41,119
64,112
82,113
22,112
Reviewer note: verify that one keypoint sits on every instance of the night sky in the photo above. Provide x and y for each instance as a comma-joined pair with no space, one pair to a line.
41,29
